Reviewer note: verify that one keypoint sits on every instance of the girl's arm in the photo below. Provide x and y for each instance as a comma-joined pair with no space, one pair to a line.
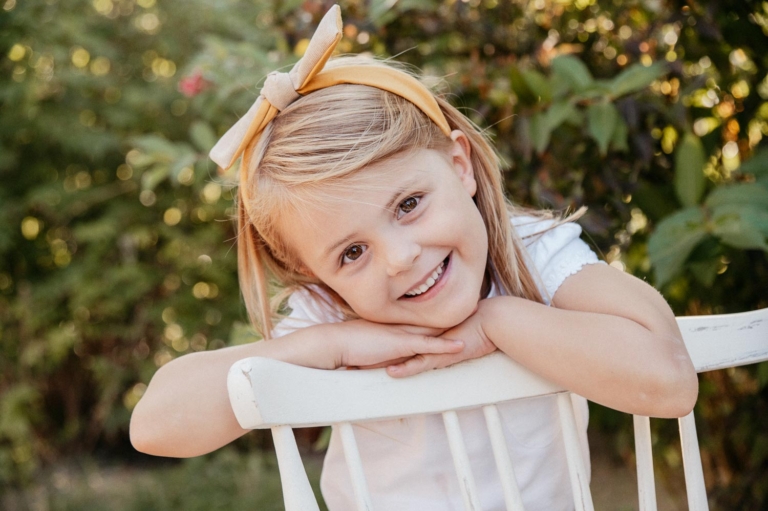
609,337
185,410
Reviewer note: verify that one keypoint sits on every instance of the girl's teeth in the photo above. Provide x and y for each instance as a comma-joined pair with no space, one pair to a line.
429,283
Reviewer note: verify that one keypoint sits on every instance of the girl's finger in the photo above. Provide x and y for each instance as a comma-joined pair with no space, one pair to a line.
384,364
414,365
426,344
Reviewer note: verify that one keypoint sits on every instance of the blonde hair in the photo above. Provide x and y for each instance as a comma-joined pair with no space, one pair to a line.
323,139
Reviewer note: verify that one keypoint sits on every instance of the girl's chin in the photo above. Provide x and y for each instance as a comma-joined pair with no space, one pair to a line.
449,318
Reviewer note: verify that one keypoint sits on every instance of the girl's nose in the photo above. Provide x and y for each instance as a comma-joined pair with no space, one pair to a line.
401,254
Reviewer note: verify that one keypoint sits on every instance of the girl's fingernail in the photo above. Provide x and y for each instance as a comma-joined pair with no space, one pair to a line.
458,343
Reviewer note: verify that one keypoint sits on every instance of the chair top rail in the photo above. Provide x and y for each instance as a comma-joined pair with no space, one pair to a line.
305,397
726,340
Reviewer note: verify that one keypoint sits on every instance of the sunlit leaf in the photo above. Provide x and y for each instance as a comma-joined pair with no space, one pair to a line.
689,170
202,135
757,164
539,132
673,240
742,226
543,124
573,71
538,85
636,77
156,146
740,194
602,119
154,176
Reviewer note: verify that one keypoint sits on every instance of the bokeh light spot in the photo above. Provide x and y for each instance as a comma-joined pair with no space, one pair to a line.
30,227
80,57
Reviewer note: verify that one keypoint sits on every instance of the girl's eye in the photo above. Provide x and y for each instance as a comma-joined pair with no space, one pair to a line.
407,206
352,253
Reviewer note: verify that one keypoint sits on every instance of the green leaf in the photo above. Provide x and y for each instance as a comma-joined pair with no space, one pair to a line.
673,241
689,170
656,201
742,226
202,135
154,176
602,119
560,112
538,85
757,165
520,86
242,333
539,132
619,137
742,193
185,160
574,71
636,77
705,271
544,123
156,146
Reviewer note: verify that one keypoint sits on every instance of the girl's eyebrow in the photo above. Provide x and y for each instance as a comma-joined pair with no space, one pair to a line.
336,245
387,207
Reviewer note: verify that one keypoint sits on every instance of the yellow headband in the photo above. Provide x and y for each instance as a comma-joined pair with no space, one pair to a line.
307,75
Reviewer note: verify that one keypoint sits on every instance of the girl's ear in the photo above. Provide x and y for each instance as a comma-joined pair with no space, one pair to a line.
461,157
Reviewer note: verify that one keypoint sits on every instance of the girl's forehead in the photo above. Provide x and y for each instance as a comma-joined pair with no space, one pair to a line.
368,185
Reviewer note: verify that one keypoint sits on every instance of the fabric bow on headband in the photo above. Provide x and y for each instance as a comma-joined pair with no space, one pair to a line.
307,75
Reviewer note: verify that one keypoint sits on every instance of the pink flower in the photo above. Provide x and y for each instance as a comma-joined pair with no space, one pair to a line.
193,84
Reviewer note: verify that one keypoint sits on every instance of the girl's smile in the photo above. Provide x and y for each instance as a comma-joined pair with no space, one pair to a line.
401,241
431,285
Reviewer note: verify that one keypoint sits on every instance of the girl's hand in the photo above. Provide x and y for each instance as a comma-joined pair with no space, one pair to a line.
476,345
364,344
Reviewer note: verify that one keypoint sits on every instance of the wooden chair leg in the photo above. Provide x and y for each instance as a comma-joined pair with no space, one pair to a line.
582,498
694,473
297,492
646,485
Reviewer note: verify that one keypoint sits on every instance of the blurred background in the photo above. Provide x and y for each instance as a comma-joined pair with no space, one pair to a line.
117,249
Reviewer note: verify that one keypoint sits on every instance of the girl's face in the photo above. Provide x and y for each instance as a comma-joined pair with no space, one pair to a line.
405,245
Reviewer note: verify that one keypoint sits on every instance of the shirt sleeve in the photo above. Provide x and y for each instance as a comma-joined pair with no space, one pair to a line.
555,254
306,311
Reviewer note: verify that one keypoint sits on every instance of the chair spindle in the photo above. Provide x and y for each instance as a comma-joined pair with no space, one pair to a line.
352,454
461,461
694,474
504,464
646,485
297,491
582,498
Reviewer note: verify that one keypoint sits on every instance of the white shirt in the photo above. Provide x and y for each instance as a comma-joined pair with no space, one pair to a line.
407,462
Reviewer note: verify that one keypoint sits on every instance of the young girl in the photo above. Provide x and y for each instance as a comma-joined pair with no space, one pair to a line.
379,209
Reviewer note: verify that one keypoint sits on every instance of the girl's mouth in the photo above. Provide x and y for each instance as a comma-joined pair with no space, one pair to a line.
430,286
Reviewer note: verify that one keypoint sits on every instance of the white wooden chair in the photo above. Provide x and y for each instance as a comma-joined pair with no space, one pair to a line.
266,393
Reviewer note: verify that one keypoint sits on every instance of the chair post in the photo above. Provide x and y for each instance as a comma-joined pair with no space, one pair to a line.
582,498
297,492
512,497
694,474
646,485
461,461
352,455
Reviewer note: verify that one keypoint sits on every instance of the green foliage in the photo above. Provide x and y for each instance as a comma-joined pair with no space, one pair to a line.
689,170
116,246
225,480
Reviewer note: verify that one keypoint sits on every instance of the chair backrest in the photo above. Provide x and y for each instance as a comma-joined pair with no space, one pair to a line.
267,393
